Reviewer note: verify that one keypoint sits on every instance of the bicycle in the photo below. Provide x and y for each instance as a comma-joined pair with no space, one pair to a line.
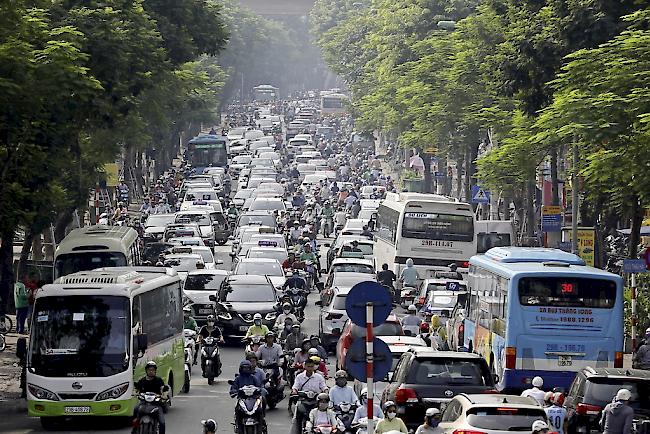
3,343
6,324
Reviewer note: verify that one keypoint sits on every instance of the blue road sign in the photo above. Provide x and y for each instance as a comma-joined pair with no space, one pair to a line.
355,359
480,195
368,292
440,174
634,266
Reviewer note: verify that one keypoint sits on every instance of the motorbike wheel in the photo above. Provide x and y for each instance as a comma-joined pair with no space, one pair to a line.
271,404
186,384
251,429
210,379
149,428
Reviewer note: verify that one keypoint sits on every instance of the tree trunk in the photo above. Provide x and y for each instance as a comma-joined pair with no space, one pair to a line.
24,254
555,194
427,172
635,231
459,178
6,271
62,222
530,209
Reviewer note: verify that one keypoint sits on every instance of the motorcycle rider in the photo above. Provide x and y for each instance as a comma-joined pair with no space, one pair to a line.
642,357
536,391
209,426
557,414
412,321
617,417
322,414
308,380
270,353
295,338
232,211
287,309
303,354
315,343
431,420
256,371
295,281
244,378
362,410
308,255
285,331
386,277
409,275
341,392
295,232
257,329
211,330
390,422
321,366
327,214
154,384
188,321
540,427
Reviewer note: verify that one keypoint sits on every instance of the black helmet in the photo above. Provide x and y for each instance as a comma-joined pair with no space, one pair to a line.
209,425
245,367
269,334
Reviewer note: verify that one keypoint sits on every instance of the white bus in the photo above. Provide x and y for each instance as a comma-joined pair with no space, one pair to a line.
97,246
435,231
92,333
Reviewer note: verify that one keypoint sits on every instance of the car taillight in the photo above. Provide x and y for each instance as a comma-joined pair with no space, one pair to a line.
618,359
587,409
404,395
331,316
462,264
511,357
464,431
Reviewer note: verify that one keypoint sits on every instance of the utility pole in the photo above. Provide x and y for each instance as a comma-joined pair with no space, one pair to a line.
574,201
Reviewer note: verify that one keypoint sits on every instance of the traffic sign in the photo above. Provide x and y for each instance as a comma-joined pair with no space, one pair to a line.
368,292
479,195
551,218
355,359
634,266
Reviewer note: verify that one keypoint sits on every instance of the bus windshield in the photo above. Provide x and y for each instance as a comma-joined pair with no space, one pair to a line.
80,336
437,226
202,156
69,263
567,292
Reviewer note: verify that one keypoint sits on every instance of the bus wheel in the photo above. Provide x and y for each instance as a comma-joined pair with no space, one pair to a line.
48,423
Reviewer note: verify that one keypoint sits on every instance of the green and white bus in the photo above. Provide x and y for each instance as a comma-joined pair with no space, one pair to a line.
92,333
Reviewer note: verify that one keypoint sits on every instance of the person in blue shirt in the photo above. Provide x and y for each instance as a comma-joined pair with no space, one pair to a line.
245,378
295,281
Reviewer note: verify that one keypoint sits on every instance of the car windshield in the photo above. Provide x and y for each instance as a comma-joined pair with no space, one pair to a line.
601,390
353,268
206,255
80,336
253,293
267,205
278,255
385,329
343,281
243,194
448,372
201,282
441,301
259,268
504,418
257,220
201,219
158,220
365,249
72,262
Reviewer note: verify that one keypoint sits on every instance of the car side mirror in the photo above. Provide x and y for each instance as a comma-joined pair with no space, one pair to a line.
495,377
327,244
212,298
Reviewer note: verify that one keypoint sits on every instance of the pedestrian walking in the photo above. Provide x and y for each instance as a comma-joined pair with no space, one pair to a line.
21,301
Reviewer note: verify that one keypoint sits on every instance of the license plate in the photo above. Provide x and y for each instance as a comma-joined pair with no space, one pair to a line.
77,410
243,328
249,422
205,311
564,361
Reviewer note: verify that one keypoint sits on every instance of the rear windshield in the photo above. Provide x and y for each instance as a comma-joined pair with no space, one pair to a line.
339,302
353,268
201,282
567,292
600,391
449,372
504,418
385,329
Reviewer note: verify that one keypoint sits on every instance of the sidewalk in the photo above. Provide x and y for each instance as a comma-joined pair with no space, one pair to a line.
10,400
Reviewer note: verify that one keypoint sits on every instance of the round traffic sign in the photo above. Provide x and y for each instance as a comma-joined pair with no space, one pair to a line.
368,292
355,359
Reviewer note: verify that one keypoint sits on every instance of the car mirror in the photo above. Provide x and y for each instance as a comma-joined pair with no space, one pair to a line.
326,244
231,382
165,388
495,377
213,298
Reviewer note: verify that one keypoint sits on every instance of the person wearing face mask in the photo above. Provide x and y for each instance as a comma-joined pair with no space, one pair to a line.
315,343
211,330
303,354
431,421
257,329
322,414
362,411
286,314
308,380
390,422
295,338
342,392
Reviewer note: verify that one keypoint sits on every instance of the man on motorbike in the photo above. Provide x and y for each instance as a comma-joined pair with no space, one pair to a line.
362,410
315,343
256,371
308,380
327,214
386,277
288,263
308,255
211,330
322,414
287,310
257,329
295,338
295,281
412,321
409,275
188,321
320,363
232,212
295,232
303,354
153,384
271,353
342,392
245,378
642,356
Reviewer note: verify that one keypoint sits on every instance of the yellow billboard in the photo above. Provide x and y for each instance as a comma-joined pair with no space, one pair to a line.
112,174
586,243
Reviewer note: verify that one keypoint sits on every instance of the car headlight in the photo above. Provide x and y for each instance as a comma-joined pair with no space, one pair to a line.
41,393
225,316
271,316
113,392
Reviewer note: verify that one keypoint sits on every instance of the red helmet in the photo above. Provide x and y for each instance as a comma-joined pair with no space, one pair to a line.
424,327
558,398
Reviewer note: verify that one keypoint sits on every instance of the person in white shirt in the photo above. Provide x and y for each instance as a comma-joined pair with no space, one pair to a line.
308,380
322,414
557,414
536,391
362,410
342,392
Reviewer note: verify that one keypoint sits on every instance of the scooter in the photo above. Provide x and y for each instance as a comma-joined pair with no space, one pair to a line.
325,429
345,414
273,385
253,344
407,296
328,224
362,425
190,346
249,411
210,359
308,399
298,300
147,413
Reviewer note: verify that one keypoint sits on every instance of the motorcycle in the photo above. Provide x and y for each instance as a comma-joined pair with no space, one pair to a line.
249,411
407,296
325,429
190,346
311,274
147,413
345,414
253,344
328,224
210,359
298,299
308,399
273,385
362,425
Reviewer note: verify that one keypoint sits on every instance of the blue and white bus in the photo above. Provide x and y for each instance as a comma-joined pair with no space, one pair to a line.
538,311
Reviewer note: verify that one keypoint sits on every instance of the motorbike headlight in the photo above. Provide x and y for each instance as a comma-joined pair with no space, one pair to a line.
113,392
41,393
225,316
271,316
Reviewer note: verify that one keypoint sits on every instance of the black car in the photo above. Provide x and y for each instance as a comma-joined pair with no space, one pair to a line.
242,296
594,388
425,378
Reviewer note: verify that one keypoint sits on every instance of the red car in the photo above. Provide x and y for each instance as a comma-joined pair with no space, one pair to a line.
391,327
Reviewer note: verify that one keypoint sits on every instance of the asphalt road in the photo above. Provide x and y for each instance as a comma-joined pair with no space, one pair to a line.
201,402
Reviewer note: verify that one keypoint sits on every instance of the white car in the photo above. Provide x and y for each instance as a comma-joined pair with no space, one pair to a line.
199,285
490,414
241,196
268,204
261,267
154,226
183,263
332,316
201,218
353,265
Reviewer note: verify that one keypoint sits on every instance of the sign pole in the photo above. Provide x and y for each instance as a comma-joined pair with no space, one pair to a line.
633,319
369,367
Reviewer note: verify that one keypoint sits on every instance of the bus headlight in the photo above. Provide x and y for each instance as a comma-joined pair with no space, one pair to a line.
113,392
41,393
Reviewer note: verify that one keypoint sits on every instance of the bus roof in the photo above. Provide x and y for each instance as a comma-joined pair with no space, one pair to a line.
98,238
509,261
121,281
402,200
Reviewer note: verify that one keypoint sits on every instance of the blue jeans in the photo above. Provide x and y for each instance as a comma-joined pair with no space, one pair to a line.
21,316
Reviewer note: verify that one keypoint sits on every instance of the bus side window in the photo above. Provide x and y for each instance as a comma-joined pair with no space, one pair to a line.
135,314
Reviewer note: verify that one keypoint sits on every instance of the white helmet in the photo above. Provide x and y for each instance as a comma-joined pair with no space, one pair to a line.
412,308
538,382
432,411
540,425
257,316
623,395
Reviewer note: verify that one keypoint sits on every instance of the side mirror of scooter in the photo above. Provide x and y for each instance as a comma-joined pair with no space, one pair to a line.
165,388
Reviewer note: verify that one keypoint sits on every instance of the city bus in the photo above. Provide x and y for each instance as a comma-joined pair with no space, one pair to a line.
207,150
435,231
91,335
333,104
265,92
540,311
97,246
